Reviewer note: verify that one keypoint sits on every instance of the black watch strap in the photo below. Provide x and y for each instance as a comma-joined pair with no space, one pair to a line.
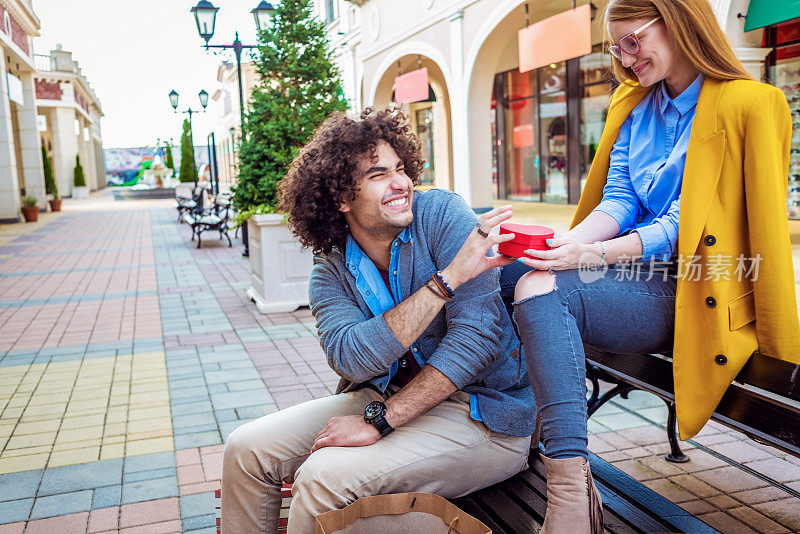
375,414
382,425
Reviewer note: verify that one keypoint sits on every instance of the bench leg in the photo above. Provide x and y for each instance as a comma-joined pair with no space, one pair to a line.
620,389
198,237
676,455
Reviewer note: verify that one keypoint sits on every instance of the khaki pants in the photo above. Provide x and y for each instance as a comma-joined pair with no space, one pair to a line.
443,451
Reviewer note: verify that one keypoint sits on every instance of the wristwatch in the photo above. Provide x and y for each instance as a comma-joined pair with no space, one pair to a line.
375,414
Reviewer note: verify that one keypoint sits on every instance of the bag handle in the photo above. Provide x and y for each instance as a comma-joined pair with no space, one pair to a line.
397,504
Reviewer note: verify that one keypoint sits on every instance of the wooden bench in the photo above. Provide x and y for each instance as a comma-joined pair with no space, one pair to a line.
763,403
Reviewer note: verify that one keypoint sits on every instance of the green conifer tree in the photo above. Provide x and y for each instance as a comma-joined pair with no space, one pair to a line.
168,161
49,180
299,87
188,170
79,179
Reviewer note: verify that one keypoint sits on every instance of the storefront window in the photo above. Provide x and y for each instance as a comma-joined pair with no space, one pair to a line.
553,113
522,154
493,126
783,70
595,97
545,128
424,120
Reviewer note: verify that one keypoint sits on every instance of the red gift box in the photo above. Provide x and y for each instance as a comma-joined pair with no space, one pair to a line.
526,236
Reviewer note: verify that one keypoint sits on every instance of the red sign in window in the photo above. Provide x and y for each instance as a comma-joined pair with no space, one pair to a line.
411,87
560,37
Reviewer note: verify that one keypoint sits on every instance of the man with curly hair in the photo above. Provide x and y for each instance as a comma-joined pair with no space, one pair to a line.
434,395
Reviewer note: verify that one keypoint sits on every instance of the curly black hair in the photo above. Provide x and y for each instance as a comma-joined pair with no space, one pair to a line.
323,174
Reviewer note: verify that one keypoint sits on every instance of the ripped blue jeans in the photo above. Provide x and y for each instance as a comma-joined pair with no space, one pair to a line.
624,315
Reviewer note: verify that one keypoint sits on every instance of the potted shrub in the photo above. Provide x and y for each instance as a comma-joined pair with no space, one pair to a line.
50,182
79,189
299,87
30,209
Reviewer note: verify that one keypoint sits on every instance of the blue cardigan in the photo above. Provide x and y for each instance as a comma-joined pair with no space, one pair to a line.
471,340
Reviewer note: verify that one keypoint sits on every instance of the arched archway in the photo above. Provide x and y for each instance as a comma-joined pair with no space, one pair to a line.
546,170
431,120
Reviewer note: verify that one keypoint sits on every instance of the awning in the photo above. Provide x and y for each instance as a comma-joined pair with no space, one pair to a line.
767,12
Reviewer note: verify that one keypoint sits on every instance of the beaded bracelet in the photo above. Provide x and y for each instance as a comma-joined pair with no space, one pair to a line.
443,285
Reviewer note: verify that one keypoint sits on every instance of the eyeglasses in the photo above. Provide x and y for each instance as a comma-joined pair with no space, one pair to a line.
629,44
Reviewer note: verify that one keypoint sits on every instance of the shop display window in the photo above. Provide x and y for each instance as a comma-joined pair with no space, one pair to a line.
596,89
553,124
783,71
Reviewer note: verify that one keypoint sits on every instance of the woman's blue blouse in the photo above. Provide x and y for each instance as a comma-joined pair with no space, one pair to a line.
643,191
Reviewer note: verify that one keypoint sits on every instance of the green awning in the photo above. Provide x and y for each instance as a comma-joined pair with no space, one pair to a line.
767,12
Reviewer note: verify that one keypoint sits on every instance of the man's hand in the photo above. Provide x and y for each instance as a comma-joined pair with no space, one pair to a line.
349,431
471,259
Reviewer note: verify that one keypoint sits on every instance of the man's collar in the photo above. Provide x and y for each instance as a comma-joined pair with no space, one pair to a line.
405,235
353,252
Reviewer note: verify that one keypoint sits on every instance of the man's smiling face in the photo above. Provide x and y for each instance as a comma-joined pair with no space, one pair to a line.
382,206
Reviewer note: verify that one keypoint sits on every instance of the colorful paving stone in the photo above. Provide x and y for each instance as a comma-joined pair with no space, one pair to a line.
127,356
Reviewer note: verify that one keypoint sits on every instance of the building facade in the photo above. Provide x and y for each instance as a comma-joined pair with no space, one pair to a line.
20,159
69,115
229,125
489,131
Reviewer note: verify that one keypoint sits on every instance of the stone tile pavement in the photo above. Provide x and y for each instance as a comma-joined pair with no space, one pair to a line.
127,356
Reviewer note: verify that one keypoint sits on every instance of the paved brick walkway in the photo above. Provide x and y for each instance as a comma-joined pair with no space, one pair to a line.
127,356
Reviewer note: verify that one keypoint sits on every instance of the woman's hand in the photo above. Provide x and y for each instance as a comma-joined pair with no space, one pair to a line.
471,259
565,253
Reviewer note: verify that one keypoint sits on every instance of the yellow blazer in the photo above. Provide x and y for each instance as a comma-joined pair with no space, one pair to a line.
734,189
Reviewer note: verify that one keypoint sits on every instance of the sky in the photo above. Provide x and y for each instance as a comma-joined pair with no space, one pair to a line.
134,53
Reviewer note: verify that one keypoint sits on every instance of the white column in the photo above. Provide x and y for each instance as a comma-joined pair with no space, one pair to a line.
459,115
65,147
752,59
89,166
31,165
99,163
9,182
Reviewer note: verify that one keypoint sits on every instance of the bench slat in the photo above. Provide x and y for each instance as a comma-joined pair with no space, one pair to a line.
513,516
473,506
773,375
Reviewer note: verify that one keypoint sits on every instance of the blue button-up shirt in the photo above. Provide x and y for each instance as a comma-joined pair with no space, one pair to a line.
373,290
643,189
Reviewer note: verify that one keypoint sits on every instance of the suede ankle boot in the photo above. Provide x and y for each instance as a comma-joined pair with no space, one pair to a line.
574,505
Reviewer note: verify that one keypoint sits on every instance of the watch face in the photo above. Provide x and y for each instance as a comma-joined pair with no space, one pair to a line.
373,410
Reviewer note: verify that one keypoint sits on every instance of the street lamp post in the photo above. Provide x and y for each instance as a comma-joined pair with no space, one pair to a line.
173,100
205,15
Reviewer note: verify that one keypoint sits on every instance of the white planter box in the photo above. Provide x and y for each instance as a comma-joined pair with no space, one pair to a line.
279,269
80,192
